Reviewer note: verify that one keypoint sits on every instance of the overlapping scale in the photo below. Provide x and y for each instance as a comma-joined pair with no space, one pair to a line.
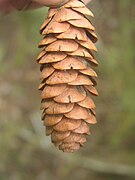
67,75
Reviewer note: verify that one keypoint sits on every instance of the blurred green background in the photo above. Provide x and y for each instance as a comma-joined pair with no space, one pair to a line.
25,152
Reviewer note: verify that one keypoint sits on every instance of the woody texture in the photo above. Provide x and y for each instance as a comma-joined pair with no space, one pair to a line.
67,77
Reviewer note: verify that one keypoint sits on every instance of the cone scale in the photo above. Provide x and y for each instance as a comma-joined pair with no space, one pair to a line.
67,75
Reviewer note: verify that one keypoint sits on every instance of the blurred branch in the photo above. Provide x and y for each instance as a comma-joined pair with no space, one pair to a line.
103,167
78,160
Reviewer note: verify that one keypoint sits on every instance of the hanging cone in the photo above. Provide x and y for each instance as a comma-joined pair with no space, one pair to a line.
67,75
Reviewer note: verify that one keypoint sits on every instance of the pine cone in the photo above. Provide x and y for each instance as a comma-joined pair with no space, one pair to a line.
67,77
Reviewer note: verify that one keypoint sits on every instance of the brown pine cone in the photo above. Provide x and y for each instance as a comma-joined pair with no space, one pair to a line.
68,80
